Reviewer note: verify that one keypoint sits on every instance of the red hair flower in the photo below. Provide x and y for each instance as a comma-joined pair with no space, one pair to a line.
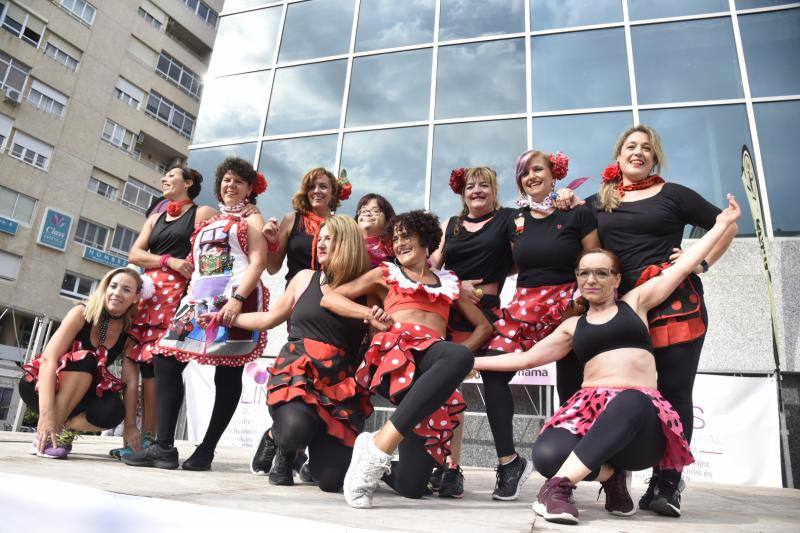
560,165
260,184
345,188
458,180
611,173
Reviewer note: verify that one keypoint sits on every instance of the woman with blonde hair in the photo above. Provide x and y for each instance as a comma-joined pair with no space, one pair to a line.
69,383
313,397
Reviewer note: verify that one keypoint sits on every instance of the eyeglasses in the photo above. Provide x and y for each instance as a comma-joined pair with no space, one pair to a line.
366,212
600,274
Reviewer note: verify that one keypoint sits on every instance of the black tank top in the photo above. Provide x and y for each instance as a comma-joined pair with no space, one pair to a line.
310,321
173,237
85,336
298,249
483,254
624,330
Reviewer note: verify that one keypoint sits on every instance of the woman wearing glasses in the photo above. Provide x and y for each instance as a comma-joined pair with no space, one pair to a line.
617,421
373,212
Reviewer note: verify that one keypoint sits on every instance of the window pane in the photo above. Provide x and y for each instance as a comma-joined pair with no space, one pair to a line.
748,4
481,79
245,41
307,98
84,286
284,162
653,9
590,152
7,200
460,19
771,42
593,64
316,29
703,149
24,210
686,61
493,144
233,107
205,161
778,131
390,88
390,163
549,14
231,5
389,23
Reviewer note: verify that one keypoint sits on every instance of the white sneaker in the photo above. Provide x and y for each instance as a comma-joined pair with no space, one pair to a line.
367,467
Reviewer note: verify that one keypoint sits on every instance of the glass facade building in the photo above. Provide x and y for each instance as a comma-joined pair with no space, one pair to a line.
401,92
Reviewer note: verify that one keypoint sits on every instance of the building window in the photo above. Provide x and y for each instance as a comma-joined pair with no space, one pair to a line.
102,188
23,25
30,150
5,401
201,9
59,56
16,206
179,74
79,8
118,136
123,240
5,130
154,22
91,234
138,196
13,76
47,99
128,93
9,265
77,286
173,116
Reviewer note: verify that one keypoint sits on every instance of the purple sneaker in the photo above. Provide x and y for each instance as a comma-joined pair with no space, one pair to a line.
618,493
554,501
62,448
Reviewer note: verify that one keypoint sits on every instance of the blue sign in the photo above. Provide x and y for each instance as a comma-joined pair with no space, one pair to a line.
54,230
99,256
8,226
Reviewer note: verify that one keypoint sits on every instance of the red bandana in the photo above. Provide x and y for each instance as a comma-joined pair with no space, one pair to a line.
174,208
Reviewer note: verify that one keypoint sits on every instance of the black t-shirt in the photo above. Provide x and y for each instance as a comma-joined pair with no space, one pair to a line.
546,249
173,237
483,254
644,232
298,248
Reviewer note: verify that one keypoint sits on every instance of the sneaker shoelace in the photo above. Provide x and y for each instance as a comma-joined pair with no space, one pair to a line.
562,490
267,449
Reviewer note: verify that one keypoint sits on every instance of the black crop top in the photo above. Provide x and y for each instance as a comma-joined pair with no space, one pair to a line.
483,254
624,330
298,248
85,337
310,321
173,237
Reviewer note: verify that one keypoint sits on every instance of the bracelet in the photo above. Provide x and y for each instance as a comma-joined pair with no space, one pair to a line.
705,265
237,296
163,260
273,247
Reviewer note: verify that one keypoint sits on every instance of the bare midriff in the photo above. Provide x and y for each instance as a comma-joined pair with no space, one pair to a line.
423,318
623,367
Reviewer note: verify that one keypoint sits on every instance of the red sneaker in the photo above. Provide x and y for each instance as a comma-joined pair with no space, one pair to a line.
554,501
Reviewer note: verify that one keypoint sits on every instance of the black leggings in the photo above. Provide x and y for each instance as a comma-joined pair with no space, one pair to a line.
170,391
411,473
106,412
296,426
627,435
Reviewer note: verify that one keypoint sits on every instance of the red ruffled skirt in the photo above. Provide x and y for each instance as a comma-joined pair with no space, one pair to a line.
322,376
104,380
390,358
154,315
532,315
578,414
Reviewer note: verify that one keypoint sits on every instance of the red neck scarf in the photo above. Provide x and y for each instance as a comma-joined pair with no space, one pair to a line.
311,224
174,208
646,183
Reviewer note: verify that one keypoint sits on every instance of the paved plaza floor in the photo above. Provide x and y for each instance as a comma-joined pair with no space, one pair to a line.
92,492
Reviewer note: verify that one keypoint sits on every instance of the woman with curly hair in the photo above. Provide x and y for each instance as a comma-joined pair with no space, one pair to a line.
69,384
410,363
227,258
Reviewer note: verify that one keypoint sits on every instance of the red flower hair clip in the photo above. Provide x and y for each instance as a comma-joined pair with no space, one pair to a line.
260,184
458,178
345,188
612,173
560,165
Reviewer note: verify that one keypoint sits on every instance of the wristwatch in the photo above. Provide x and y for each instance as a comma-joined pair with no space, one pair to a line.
239,297
705,265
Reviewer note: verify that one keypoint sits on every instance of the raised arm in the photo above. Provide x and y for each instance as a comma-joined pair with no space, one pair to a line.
551,348
437,257
340,300
281,233
657,289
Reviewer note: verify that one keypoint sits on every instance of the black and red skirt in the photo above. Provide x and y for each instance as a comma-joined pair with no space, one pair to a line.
323,377
103,381
155,314
390,359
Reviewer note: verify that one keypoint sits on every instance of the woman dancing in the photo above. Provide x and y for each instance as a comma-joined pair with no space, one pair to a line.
618,421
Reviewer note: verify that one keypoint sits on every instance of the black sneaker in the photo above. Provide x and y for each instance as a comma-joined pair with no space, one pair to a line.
154,456
435,480
261,463
299,460
650,493
305,474
200,460
510,478
667,501
618,493
281,473
452,484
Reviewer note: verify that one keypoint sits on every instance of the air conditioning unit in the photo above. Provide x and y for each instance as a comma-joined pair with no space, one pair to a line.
140,138
12,96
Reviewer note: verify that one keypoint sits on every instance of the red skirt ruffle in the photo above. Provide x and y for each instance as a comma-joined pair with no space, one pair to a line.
532,315
579,413
154,315
104,380
322,376
391,357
